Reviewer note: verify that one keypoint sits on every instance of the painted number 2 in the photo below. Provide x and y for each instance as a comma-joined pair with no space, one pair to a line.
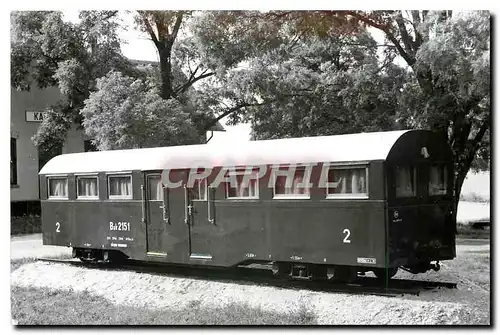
58,225
347,233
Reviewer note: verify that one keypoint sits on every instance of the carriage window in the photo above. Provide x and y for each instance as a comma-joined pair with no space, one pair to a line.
58,187
87,187
295,187
406,181
120,187
350,182
438,180
200,189
246,186
155,188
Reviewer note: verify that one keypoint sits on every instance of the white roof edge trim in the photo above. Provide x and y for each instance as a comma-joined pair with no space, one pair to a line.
349,148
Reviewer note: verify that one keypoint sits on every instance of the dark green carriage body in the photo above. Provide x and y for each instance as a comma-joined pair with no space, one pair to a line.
225,232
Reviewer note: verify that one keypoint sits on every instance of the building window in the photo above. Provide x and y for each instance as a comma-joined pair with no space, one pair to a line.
406,181
13,161
242,185
438,180
120,187
297,187
347,182
58,187
155,189
199,190
89,146
87,187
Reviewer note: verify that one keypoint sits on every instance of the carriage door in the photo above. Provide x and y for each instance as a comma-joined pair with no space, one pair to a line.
201,228
435,204
155,214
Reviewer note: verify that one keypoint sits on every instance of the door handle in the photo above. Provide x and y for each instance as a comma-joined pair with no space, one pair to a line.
143,205
186,221
165,217
210,219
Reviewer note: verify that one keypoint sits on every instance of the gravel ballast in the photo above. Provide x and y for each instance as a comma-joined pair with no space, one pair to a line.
468,304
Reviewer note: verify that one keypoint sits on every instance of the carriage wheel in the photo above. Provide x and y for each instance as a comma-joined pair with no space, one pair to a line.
382,273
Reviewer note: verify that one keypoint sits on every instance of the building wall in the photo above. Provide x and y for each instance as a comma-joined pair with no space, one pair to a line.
27,154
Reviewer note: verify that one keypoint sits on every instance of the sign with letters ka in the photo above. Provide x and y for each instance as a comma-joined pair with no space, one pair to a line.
32,116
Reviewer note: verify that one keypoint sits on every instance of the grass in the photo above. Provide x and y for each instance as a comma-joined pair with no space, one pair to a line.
476,267
42,306
465,230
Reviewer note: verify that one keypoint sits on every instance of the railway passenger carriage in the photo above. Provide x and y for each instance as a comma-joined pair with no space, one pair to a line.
357,202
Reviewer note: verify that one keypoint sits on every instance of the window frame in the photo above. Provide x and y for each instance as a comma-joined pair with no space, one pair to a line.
13,161
291,196
366,195
119,174
240,173
51,197
87,175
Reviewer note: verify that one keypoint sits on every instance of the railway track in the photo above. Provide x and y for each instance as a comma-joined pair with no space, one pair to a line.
264,277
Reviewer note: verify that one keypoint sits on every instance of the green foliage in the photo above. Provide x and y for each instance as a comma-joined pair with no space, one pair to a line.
128,113
48,51
288,85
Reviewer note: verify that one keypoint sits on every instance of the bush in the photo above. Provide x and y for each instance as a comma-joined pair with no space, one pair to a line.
474,197
25,224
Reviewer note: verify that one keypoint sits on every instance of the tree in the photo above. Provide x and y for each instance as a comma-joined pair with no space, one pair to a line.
320,86
163,29
287,73
232,41
46,51
134,115
446,89
450,58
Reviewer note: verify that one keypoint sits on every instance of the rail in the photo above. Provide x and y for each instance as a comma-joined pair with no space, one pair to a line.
264,277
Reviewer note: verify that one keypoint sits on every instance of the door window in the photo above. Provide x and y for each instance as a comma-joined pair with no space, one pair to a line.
406,181
438,180
200,190
155,189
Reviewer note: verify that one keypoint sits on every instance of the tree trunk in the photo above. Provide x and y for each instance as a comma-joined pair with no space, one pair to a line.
166,73
458,182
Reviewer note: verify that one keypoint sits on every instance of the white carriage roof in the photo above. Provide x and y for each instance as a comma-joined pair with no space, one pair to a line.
339,148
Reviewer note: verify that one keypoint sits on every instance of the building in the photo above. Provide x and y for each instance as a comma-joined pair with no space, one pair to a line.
26,112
